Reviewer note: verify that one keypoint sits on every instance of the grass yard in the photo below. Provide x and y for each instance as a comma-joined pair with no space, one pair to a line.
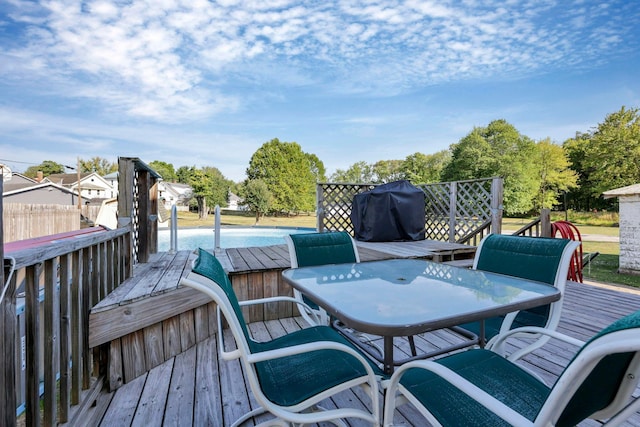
603,268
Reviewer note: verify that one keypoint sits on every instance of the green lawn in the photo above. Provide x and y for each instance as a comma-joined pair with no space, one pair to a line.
603,268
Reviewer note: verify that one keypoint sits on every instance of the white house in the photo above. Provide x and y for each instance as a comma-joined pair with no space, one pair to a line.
92,185
629,199
174,193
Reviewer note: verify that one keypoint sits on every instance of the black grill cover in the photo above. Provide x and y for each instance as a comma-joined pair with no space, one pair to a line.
393,211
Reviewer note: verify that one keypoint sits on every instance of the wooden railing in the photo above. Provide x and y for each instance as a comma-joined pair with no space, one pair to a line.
69,276
539,227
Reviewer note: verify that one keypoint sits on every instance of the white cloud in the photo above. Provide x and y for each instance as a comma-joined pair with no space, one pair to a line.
177,60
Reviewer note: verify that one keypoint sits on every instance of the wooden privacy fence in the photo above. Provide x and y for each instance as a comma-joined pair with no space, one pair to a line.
26,220
458,211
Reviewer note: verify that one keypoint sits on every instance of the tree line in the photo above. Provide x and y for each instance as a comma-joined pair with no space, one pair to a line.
281,177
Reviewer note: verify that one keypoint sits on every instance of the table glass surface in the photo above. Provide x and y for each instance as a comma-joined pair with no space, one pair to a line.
402,292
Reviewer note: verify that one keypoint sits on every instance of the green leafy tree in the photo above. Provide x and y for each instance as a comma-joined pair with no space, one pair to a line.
582,197
286,171
498,150
387,171
317,167
166,170
48,167
357,173
99,165
256,195
209,185
183,173
425,168
555,173
612,154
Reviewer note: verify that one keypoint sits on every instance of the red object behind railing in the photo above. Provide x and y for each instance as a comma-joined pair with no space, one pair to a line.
569,231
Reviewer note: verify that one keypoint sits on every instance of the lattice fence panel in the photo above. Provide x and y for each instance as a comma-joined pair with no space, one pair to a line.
473,206
437,210
135,219
471,201
334,205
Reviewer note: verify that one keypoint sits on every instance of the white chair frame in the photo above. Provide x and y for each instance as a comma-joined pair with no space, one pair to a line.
563,390
293,414
555,311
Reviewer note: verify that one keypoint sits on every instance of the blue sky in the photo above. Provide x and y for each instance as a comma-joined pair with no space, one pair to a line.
194,82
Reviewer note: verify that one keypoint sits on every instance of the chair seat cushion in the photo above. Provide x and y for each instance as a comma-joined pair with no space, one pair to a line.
292,379
489,371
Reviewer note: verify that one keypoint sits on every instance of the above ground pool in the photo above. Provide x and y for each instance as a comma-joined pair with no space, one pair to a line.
233,237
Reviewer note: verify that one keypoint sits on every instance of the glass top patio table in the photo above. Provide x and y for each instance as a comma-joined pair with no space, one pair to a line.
403,297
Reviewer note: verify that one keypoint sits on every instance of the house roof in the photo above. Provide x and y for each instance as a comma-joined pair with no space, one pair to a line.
629,190
17,182
66,178
26,189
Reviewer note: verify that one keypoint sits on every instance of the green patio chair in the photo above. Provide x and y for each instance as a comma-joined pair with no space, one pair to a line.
290,375
534,258
481,388
310,249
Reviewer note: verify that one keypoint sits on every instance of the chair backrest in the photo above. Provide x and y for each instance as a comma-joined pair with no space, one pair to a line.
309,249
601,377
207,265
541,259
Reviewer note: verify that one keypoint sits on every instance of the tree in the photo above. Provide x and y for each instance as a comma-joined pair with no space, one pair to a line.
209,186
581,197
387,171
425,168
48,167
166,170
357,173
555,174
98,165
612,154
257,197
286,171
317,167
498,150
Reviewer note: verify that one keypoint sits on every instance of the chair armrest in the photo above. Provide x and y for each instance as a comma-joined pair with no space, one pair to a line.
470,389
502,337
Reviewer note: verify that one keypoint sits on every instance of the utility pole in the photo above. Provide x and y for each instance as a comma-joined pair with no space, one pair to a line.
78,186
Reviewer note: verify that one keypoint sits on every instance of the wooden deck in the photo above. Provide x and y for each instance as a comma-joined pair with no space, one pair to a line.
195,387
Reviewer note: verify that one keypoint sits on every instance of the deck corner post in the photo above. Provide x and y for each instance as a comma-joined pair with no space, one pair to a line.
545,222
496,205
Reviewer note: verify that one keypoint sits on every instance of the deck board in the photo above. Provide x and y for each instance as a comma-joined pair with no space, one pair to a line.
202,389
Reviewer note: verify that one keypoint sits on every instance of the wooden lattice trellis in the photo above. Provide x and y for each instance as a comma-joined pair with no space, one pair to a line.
459,211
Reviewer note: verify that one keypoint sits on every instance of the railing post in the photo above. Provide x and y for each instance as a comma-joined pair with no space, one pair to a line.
545,223
319,208
8,330
496,205
216,230
453,210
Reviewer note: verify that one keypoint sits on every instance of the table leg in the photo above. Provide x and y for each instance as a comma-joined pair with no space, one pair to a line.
388,355
481,338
